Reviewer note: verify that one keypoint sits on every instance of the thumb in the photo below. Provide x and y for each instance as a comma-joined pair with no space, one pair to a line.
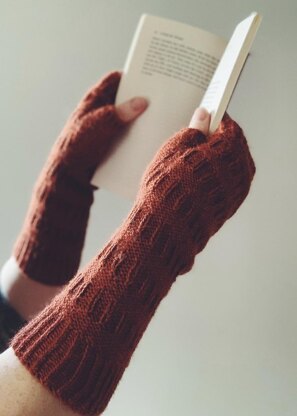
110,119
131,109
105,124
200,120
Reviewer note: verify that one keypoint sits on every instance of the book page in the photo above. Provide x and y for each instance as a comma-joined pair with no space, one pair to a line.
220,90
171,64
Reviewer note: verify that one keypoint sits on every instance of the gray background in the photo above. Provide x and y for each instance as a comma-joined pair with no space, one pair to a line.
223,342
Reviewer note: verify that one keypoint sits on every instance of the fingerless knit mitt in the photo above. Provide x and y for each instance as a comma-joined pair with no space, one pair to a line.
49,246
80,345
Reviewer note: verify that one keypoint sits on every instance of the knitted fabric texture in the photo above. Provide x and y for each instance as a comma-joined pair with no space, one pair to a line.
80,345
49,246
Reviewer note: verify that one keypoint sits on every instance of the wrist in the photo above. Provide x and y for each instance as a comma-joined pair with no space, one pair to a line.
49,247
25,295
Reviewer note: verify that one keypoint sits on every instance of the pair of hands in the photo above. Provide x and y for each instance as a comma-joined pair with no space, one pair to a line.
93,127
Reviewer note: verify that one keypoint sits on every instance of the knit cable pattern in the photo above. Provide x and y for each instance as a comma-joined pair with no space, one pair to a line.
80,345
50,244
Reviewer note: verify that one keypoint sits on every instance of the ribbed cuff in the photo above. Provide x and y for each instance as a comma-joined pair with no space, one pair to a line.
81,344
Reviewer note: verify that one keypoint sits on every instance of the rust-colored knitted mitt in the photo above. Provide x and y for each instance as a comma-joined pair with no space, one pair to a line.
49,246
80,345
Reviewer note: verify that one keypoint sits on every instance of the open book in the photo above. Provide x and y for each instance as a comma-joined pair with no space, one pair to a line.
177,67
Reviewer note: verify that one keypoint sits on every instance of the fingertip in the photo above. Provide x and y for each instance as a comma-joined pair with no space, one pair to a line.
131,109
108,86
102,93
111,76
227,123
138,104
200,120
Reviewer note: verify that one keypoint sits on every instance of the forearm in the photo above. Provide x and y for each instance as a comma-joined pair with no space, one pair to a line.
22,395
47,252
79,346
16,381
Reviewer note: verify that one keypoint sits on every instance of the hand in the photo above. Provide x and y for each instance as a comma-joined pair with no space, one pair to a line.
93,128
82,342
202,179
49,247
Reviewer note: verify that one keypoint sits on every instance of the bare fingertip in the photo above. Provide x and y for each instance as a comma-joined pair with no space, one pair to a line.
202,114
139,104
200,120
